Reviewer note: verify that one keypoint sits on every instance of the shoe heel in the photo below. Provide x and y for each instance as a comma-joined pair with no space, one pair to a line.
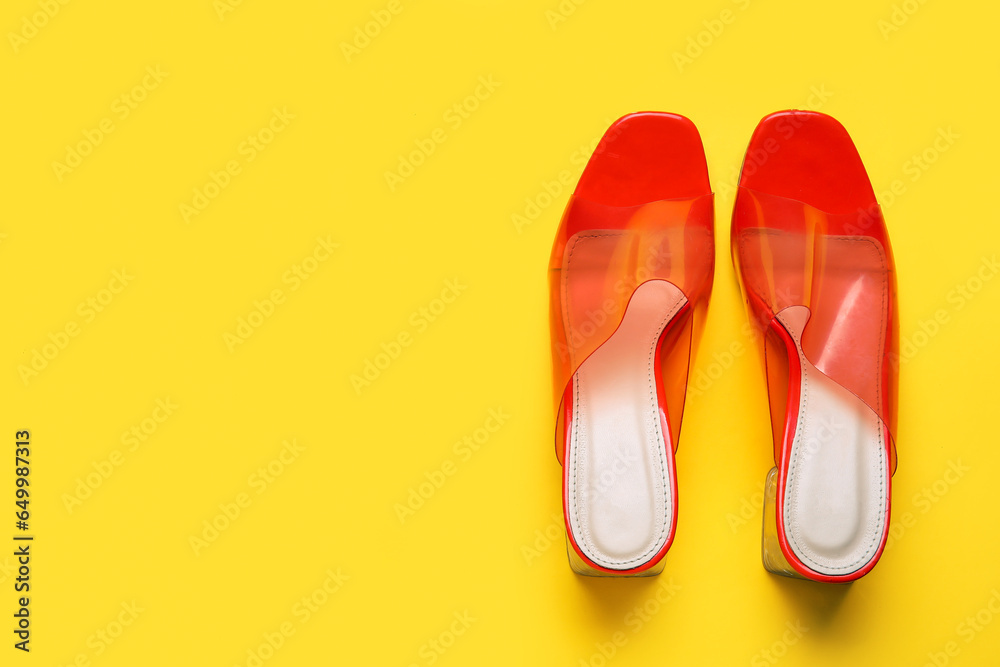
580,567
770,549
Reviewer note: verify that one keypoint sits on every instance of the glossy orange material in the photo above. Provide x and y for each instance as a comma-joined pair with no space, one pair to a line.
642,211
807,231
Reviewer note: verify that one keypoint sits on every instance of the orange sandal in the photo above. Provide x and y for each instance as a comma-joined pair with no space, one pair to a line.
630,276
815,267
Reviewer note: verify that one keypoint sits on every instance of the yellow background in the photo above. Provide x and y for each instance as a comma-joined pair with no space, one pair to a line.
487,544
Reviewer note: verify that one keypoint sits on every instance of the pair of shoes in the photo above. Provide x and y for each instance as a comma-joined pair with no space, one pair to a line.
630,277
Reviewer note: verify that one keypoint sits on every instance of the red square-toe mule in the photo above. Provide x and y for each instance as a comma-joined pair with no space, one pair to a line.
815,268
630,275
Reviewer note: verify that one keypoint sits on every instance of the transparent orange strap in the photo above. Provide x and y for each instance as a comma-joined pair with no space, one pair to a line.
602,253
840,267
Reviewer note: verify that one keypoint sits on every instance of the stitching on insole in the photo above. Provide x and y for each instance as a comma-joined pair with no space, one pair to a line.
592,551
876,539
801,550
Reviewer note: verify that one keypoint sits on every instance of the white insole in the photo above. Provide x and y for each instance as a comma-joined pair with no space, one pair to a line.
619,470
837,485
